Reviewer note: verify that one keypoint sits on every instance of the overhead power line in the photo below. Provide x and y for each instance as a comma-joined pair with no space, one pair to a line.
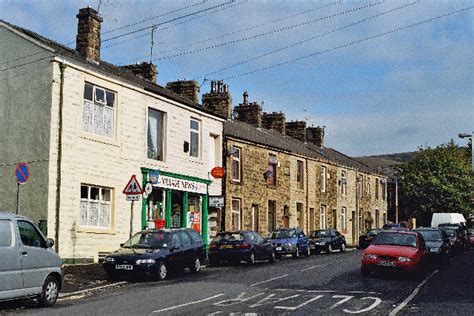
27,63
307,40
249,28
246,38
349,44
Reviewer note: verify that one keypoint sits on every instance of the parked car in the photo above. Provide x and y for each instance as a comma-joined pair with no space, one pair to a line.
30,267
464,234
456,239
237,246
395,226
447,218
153,253
438,245
366,239
326,240
290,241
470,234
395,251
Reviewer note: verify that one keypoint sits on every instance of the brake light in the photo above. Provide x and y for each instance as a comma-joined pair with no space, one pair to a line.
212,246
242,246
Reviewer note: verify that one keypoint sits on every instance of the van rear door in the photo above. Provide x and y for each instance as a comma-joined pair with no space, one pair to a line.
10,269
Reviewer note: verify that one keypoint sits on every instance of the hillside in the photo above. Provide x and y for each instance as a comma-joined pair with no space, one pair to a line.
386,163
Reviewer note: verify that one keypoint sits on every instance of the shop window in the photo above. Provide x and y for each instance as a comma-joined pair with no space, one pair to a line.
322,217
343,218
236,165
300,174
271,175
98,115
194,126
236,214
194,211
176,208
95,207
155,134
322,179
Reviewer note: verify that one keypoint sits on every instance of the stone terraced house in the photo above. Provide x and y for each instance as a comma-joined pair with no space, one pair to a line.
84,127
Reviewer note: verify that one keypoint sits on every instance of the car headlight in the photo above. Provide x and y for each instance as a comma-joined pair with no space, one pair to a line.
145,261
404,259
109,259
289,245
321,243
373,257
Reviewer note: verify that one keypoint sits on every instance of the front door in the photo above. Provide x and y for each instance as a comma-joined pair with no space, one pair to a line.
10,269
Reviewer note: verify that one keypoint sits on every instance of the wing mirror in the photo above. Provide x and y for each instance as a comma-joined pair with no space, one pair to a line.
49,243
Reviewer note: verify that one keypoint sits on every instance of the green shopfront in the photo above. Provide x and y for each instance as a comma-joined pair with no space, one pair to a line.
175,201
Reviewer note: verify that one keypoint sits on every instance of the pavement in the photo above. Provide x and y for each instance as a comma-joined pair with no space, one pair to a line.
318,285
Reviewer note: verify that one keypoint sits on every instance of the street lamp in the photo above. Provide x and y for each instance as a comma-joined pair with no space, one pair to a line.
464,135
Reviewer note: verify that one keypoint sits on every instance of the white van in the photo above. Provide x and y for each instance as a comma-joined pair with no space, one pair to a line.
447,218
29,266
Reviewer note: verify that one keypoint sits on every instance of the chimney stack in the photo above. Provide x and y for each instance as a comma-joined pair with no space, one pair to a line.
275,121
250,113
315,135
88,33
186,88
296,129
144,70
218,100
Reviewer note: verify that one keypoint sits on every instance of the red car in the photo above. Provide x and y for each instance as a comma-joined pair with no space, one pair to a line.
395,250
470,233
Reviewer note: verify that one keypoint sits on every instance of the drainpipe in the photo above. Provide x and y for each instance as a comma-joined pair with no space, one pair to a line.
62,68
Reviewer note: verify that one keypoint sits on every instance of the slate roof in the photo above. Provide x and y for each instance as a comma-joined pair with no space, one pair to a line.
241,130
109,69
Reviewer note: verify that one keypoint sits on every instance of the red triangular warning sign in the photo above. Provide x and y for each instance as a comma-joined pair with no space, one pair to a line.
133,187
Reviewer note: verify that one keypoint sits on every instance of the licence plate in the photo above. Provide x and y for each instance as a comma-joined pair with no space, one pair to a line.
123,267
278,248
386,263
226,246
312,247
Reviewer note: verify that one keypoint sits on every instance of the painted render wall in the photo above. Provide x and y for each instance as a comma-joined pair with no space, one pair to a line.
25,98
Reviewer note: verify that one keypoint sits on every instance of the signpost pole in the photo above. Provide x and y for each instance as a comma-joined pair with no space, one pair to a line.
131,220
18,198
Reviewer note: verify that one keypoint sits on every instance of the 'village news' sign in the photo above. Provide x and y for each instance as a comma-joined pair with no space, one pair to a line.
181,185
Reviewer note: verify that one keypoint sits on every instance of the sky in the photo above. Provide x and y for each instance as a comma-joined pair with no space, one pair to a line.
379,80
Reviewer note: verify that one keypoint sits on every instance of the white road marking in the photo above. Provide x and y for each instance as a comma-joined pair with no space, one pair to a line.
239,299
65,295
269,280
187,304
345,298
215,313
411,296
316,266
372,306
270,300
292,308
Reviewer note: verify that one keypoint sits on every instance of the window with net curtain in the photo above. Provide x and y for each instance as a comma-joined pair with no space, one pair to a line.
155,134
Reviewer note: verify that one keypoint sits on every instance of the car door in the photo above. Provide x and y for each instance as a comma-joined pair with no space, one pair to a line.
260,245
175,257
187,251
340,239
10,269
302,240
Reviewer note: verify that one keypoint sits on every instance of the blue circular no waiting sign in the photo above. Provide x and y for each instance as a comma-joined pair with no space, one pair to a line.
22,173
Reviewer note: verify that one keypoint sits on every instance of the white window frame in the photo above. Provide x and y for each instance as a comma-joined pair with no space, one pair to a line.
343,183
238,160
163,133
322,217
322,178
198,133
238,212
343,218
88,124
101,202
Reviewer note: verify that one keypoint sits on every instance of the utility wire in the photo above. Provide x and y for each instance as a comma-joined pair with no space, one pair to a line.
246,38
15,163
251,27
349,44
27,63
307,40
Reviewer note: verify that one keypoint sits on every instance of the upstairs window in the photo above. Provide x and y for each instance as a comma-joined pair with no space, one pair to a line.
236,167
155,134
343,183
322,178
98,115
194,126
377,189
368,187
300,174
271,170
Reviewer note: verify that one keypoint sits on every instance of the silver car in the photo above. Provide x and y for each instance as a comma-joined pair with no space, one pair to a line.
29,266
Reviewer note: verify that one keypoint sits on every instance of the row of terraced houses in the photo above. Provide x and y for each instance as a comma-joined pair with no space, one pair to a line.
85,126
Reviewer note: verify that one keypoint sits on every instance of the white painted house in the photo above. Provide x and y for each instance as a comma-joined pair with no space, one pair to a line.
84,127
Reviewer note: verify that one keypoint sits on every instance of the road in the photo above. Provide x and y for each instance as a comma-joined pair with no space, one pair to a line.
319,285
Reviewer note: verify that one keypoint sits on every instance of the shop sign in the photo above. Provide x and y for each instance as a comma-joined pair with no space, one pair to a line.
181,185
216,201
217,172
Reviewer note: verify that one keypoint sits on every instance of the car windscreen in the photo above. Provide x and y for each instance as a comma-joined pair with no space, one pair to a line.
394,239
430,235
320,234
277,234
228,237
154,240
449,232
373,232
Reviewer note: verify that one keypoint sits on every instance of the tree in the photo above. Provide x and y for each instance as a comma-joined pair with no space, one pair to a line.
436,180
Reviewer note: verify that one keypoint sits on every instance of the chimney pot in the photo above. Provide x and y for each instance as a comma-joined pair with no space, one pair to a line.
315,135
296,129
213,86
246,98
186,88
218,101
88,33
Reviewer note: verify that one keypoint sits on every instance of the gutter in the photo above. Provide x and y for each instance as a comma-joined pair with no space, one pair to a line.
62,68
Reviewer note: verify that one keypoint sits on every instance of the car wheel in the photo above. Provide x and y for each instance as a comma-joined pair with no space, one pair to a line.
297,253
364,271
272,257
251,259
343,247
329,250
50,292
162,271
196,267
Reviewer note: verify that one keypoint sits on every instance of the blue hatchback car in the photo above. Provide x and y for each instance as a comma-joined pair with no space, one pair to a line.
290,241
